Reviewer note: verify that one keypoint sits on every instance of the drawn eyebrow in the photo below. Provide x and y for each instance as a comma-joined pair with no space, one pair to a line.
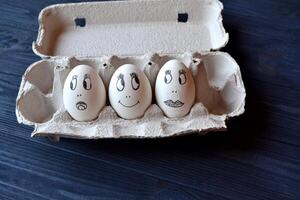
182,71
133,75
121,76
168,72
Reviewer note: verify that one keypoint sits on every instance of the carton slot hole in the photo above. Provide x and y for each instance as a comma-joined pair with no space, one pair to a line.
81,22
183,17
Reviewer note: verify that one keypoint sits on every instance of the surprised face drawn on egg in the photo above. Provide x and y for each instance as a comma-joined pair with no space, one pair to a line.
175,89
129,92
84,93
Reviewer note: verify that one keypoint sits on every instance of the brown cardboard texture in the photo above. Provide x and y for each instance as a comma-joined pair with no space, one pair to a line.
106,35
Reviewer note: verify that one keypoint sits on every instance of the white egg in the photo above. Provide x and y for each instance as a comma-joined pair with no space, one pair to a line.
84,94
175,89
129,92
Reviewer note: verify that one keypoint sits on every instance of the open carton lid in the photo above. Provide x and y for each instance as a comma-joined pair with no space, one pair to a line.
146,33
133,27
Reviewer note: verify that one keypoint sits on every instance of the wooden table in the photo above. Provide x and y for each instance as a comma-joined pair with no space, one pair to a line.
257,158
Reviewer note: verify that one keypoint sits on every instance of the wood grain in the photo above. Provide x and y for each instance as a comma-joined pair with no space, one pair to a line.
257,158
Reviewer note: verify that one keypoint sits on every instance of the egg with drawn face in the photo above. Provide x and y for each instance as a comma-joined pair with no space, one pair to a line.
175,89
84,93
129,92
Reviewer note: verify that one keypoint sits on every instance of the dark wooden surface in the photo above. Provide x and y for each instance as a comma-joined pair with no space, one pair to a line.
257,158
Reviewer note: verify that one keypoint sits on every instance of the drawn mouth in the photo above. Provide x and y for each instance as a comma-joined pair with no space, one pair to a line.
174,104
81,105
129,106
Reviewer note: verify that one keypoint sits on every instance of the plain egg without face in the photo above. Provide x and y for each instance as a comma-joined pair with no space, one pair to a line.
84,93
175,89
129,92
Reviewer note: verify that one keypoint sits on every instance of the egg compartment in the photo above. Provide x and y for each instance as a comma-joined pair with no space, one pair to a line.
146,33
219,94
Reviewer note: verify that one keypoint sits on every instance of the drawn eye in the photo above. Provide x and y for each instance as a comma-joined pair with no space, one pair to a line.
120,83
135,82
182,77
87,82
168,77
73,82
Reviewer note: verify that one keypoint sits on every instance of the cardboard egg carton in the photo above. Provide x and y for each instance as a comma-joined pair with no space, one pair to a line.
106,35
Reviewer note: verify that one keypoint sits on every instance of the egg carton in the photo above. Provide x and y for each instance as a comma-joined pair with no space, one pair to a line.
106,35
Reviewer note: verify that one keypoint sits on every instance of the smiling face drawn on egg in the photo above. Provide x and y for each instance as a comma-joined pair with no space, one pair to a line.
175,89
129,92
84,93
135,84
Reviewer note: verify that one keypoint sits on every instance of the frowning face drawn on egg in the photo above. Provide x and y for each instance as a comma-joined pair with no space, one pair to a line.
129,92
86,84
84,93
175,89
